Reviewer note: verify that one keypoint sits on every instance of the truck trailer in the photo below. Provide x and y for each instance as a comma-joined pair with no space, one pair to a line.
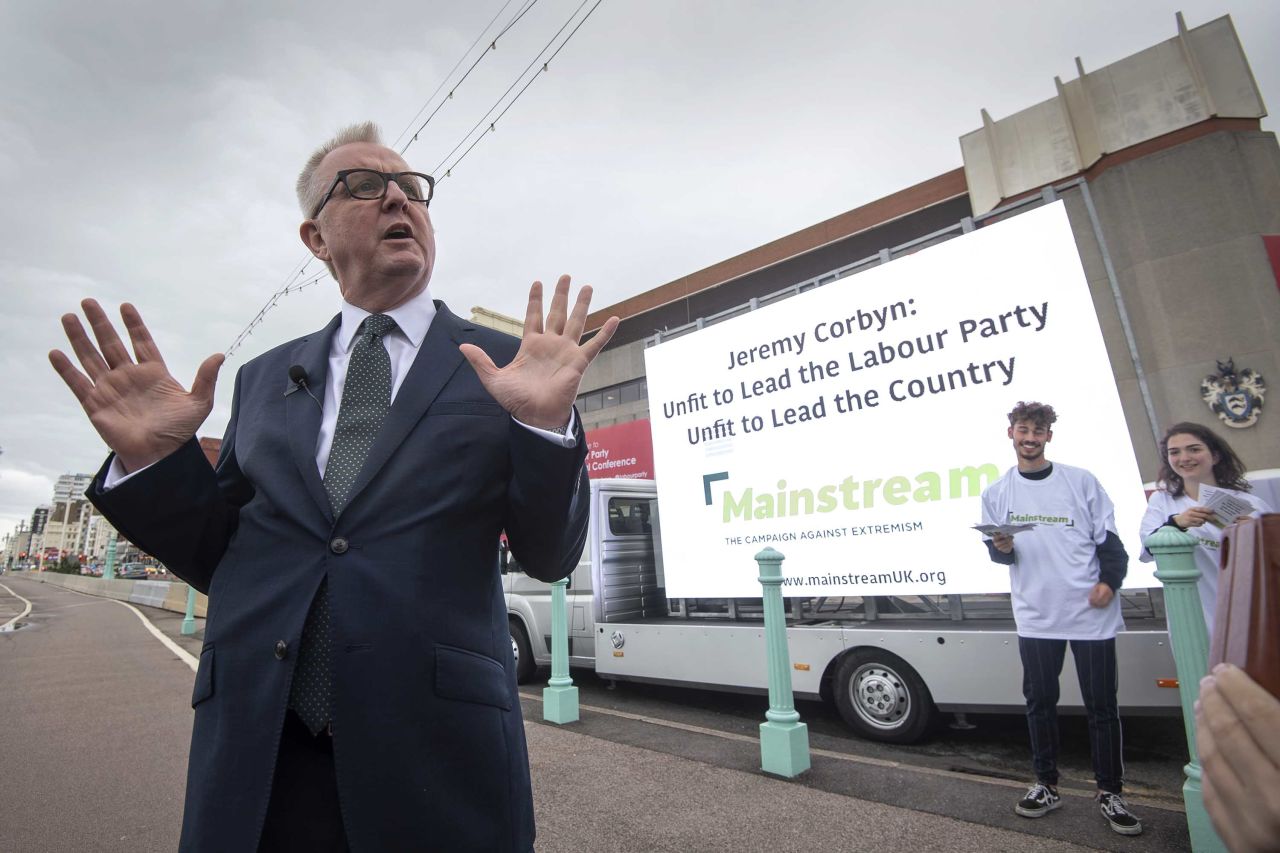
890,664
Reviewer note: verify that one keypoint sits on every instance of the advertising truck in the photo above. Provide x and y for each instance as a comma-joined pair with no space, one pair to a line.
853,428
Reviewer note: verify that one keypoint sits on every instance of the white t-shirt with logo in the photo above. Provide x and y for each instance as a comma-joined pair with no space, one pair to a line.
1056,564
1208,541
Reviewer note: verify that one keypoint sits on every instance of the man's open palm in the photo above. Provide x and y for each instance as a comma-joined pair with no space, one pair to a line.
540,384
138,408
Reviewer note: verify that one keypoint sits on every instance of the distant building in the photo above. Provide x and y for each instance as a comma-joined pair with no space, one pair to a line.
71,487
17,545
98,533
494,320
211,447
39,518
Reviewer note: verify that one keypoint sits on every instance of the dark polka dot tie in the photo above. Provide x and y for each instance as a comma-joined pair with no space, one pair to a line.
366,398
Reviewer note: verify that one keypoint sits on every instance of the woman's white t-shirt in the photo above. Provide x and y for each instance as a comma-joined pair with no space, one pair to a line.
1208,541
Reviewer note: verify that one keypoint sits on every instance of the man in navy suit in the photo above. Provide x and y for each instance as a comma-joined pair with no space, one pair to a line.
356,686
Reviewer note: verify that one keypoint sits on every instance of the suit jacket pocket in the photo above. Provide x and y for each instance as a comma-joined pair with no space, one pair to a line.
204,677
471,677
466,407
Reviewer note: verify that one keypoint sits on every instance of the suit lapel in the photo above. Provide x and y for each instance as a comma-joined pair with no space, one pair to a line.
302,413
438,359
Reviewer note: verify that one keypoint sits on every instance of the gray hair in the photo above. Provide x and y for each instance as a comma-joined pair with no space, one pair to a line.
310,192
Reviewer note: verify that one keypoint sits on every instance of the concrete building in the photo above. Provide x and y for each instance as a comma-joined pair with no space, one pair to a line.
67,525
39,518
71,486
98,534
16,545
1173,192
482,316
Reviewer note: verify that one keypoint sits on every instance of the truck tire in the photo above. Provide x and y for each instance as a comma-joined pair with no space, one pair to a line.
882,698
521,651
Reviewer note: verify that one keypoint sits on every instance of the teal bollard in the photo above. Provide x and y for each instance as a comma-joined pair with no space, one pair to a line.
784,740
109,571
559,697
1176,570
189,622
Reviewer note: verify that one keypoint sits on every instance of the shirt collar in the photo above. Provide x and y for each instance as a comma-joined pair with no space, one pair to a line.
413,319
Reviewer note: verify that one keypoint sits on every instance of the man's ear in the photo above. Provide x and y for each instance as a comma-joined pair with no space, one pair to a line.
1010,432
309,231
1048,436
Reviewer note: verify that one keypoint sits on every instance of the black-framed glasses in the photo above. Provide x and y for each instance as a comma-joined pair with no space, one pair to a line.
368,184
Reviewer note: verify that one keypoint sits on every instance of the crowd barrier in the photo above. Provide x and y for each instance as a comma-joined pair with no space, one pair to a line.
167,595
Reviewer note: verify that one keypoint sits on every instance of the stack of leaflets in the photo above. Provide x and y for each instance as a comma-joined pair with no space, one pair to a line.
1225,505
1006,529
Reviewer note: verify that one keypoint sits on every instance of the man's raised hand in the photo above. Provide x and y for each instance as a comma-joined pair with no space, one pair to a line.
540,384
138,408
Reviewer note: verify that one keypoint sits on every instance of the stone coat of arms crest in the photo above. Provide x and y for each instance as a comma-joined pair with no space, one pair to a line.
1235,397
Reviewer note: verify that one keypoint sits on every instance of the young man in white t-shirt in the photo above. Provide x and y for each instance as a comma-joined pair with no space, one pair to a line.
1064,574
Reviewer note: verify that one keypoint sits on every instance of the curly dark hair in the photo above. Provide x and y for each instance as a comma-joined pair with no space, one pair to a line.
1228,471
1040,414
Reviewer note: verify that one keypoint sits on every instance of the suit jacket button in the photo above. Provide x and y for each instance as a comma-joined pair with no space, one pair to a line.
282,650
338,545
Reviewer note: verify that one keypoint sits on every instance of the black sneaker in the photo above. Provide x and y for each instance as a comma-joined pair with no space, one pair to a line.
1039,801
1113,808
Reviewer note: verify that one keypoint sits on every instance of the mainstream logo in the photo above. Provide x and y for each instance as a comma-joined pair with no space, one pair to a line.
784,500
1033,518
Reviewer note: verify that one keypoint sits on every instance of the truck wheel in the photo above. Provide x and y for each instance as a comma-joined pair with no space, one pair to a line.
882,698
522,652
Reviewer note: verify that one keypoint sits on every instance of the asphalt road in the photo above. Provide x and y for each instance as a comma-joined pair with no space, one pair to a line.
95,723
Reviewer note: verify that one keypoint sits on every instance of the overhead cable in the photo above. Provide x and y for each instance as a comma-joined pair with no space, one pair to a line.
493,124
493,45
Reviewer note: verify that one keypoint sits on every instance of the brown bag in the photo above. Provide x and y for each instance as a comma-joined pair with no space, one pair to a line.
1246,624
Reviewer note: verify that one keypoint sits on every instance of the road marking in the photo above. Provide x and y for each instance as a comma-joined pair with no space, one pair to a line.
1166,805
183,654
6,626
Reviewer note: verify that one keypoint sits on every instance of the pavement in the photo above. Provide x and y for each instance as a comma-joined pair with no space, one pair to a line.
615,780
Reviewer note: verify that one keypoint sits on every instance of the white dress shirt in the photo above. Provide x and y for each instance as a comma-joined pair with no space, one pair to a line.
413,320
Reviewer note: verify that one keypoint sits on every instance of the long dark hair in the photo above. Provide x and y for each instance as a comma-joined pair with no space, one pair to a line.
1228,471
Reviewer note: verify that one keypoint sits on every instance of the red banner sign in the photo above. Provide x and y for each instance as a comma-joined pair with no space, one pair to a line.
622,450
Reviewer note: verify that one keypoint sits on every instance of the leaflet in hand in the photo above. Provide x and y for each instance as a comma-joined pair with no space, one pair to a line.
1006,529
1225,505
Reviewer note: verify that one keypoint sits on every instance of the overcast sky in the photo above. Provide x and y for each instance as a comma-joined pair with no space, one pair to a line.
150,150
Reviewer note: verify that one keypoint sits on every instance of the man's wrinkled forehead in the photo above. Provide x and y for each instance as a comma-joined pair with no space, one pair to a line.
361,155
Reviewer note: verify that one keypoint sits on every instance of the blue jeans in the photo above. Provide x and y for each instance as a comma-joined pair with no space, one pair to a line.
1096,667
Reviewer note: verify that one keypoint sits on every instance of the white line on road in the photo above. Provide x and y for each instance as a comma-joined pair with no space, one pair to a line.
6,626
183,655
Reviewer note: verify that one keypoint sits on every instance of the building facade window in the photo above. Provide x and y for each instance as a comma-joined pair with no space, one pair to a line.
615,395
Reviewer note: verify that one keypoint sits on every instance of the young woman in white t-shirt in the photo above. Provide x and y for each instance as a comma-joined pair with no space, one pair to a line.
1192,456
